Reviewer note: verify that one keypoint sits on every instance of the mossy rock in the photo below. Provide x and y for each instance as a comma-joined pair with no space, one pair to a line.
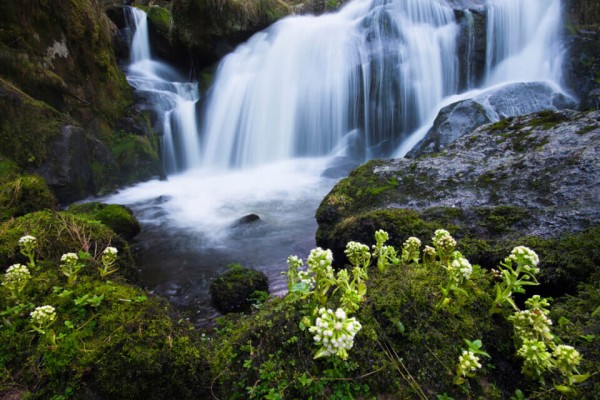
117,217
59,233
23,195
232,291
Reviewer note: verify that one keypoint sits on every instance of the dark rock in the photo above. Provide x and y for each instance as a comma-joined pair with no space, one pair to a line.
492,105
247,219
581,69
231,291
68,170
533,176
471,46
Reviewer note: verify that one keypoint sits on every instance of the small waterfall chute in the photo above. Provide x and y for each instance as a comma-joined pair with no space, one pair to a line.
171,98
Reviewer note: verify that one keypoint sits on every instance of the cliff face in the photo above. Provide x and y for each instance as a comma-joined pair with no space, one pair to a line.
63,96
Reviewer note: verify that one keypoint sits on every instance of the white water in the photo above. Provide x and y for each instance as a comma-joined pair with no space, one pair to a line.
366,81
172,99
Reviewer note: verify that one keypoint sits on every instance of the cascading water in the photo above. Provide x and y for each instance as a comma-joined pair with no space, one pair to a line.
359,83
167,95
299,87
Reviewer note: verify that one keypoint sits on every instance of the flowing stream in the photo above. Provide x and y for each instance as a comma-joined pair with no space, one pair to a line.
294,109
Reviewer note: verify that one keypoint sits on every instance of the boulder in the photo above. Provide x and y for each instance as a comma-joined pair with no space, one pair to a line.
529,179
492,105
232,291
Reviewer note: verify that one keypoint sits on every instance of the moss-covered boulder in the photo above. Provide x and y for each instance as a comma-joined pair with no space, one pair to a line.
23,195
117,217
528,178
233,290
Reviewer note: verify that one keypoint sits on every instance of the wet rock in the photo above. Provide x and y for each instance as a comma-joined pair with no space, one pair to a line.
246,219
527,176
492,105
581,69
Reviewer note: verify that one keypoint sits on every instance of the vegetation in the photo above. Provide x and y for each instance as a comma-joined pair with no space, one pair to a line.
411,323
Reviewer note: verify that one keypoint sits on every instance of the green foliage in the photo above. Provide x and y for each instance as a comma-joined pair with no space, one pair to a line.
106,338
232,291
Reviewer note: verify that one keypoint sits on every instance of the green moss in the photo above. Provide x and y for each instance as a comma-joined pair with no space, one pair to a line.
587,129
232,291
546,119
8,170
399,223
136,156
501,219
117,217
23,195
160,17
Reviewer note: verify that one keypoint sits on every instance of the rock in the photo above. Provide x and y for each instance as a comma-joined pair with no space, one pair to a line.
246,219
68,170
533,176
492,105
581,69
231,291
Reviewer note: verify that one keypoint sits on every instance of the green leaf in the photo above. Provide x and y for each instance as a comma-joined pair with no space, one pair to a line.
300,287
564,389
578,378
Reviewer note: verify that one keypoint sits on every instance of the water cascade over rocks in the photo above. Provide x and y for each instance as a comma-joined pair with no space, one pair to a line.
366,81
172,99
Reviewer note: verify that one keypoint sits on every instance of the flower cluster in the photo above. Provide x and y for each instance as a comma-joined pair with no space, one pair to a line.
567,359
42,317
70,266
386,255
534,322
334,332
525,258
443,243
358,254
429,256
514,279
109,257
15,279
462,266
536,357
27,245
410,250
468,363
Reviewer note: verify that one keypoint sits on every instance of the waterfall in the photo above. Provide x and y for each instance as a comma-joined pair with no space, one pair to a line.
168,95
366,77
523,42
298,88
